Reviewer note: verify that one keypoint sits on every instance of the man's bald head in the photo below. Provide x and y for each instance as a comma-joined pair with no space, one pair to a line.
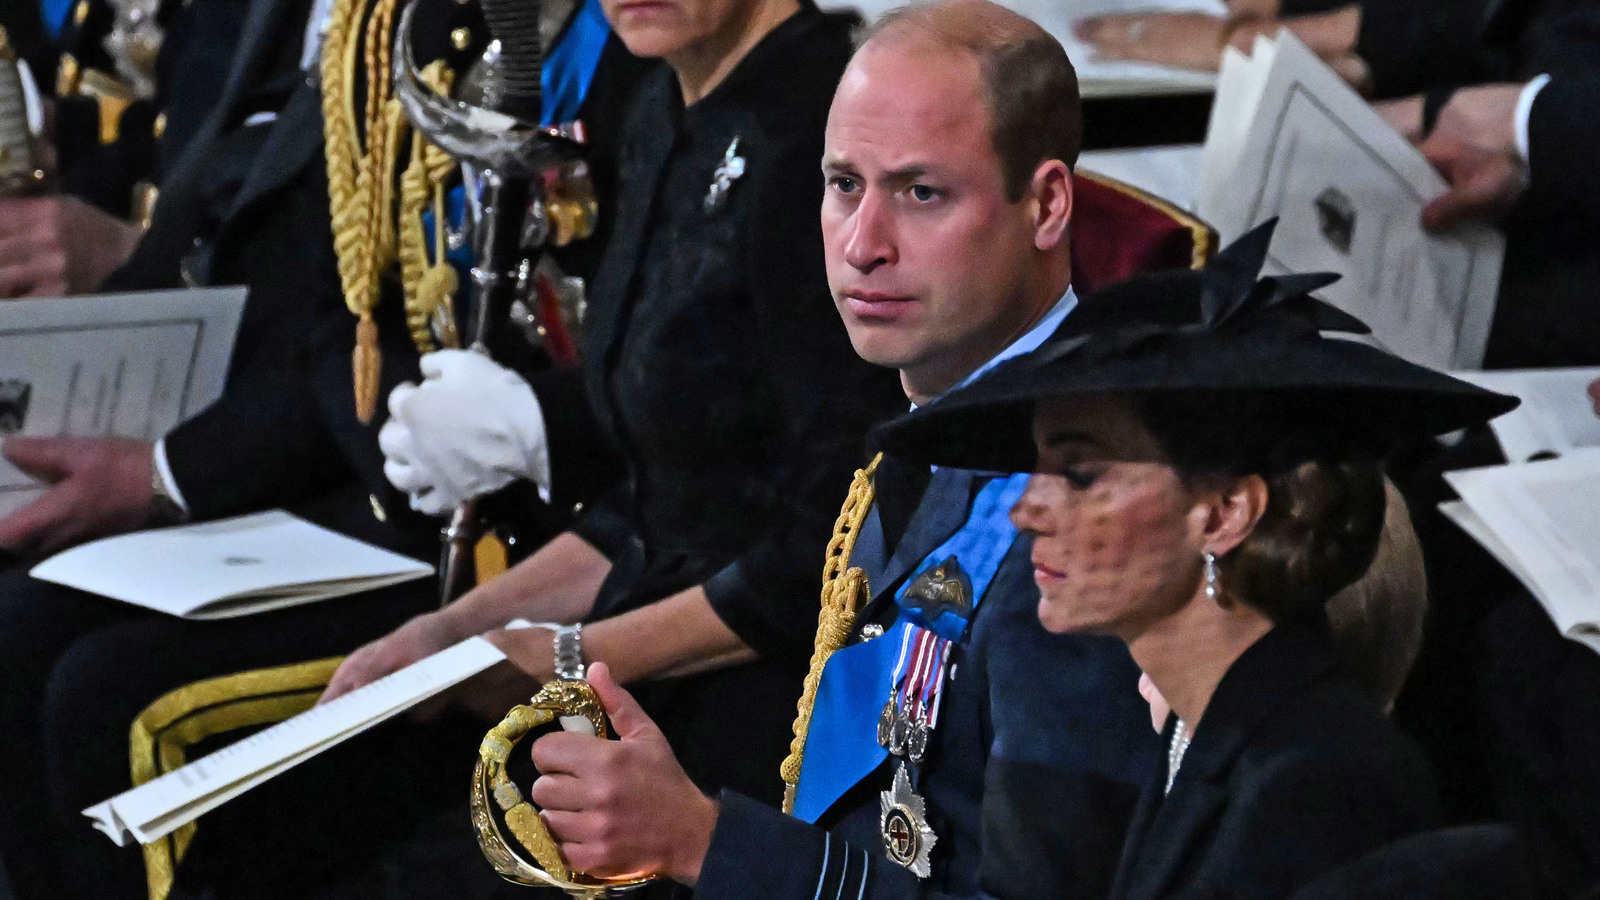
1030,86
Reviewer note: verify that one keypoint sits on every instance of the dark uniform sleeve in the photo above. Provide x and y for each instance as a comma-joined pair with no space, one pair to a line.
1413,45
1564,123
830,398
757,851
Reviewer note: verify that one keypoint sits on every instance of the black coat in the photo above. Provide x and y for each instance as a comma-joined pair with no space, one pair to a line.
196,54
1545,313
1291,772
1030,777
249,205
714,360
717,369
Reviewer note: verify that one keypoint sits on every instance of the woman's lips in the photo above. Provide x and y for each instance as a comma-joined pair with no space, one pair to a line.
1043,574
644,7
878,306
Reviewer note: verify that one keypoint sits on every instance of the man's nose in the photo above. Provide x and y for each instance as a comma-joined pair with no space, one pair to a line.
870,240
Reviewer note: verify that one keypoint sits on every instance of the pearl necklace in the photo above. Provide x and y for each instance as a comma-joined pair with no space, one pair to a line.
1175,751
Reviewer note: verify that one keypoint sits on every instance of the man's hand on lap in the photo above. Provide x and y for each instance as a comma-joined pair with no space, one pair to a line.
58,244
98,487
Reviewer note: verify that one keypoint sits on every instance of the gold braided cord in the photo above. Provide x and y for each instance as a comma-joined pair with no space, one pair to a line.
428,287
844,591
342,146
361,191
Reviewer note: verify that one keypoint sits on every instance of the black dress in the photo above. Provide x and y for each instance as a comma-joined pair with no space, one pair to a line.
718,368
1292,771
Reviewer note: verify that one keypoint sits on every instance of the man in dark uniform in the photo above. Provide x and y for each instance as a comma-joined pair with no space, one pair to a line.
247,202
951,746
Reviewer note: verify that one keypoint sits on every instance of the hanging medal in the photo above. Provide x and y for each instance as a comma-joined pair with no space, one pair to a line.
905,728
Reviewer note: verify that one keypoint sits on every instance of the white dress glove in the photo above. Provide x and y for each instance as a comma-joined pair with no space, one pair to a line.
472,427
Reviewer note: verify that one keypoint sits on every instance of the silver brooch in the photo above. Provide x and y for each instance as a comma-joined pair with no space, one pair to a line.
728,171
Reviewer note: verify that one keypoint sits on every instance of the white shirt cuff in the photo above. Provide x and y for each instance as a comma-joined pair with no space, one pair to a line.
1524,110
164,472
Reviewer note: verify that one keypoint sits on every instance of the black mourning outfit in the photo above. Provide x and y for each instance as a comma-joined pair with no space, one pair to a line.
196,54
247,202
716,364
1291,772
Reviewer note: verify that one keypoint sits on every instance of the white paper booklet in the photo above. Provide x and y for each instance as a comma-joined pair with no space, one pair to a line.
1096,77
1289,139
109,365
233,567
155,809
1542,521
1556,414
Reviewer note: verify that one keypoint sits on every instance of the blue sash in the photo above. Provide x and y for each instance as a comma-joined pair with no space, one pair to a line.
842,746
569,67
53,14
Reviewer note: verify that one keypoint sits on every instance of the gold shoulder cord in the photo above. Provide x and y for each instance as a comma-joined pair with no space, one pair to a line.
428,285
844,592
361,181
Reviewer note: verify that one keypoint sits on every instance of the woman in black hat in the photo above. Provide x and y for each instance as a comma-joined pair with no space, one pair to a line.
1209,476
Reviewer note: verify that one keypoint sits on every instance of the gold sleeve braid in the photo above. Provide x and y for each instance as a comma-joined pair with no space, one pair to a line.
844,591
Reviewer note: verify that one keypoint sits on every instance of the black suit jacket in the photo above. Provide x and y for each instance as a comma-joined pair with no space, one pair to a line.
249,205
1291,772
1029,777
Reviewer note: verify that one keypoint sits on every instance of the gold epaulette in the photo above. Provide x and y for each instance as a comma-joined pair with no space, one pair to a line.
844,593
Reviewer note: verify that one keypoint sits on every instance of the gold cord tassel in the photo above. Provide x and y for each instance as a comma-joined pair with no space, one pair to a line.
367,362
361,190
844,592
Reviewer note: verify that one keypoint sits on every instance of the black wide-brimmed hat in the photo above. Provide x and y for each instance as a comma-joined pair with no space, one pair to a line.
1213,334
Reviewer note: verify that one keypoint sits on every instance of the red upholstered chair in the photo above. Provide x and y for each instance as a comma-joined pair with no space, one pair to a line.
1119,230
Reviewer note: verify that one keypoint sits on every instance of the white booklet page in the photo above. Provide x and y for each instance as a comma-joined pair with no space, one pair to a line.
109,365
1348,192
1556,414
232,567
1544,521
155,809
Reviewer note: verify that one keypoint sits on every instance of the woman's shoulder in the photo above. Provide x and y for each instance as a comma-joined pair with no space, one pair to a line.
1331,746
787,83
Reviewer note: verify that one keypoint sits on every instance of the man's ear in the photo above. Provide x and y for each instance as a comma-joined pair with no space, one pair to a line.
1051,193
1234,512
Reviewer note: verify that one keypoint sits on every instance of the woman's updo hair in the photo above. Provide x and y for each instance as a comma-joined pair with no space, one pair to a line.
1325,501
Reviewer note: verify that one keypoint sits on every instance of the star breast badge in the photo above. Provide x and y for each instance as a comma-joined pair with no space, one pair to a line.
907,839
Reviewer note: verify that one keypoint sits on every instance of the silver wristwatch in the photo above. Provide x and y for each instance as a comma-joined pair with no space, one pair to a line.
569,652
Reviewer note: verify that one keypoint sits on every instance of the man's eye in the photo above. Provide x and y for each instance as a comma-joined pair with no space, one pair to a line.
844,184
1081,479
922,193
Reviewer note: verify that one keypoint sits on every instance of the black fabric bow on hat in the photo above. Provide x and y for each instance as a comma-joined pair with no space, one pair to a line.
1221,331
